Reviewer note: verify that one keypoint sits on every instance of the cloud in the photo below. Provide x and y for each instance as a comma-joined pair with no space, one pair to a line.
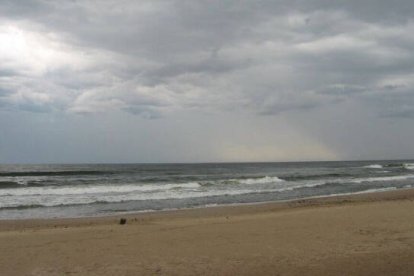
230,80
156,57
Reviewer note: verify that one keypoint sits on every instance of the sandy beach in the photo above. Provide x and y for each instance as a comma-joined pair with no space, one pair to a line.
365,234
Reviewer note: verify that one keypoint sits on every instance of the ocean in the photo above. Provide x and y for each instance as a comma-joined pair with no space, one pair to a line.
79,190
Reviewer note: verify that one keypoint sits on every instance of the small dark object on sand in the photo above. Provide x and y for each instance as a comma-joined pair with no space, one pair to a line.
122,221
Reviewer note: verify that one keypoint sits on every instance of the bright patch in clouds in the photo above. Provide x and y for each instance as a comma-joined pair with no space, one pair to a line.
36,53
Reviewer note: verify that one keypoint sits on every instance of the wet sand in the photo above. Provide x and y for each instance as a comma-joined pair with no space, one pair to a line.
365,234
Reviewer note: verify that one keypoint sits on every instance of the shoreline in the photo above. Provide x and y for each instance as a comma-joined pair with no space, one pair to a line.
234,208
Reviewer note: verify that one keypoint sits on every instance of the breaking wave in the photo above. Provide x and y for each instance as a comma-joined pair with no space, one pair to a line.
384,178
262,180
374,166
96,189
409,166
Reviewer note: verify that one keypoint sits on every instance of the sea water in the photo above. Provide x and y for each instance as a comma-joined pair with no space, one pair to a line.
76,190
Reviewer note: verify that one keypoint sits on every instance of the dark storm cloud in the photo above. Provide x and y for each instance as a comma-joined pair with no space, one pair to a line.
152,57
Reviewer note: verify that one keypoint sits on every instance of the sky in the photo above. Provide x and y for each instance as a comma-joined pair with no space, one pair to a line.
206,81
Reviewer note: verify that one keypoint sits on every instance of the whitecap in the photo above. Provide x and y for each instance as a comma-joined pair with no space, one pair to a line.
373,166
384,178
96,189
262,180
409,166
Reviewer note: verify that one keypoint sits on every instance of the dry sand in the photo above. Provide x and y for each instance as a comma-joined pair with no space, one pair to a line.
366,234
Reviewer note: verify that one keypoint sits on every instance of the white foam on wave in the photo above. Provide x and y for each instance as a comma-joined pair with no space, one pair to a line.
361,192
166,194
115,194
96,189
262,180
384,178
74,195
53,200
373,166
409,166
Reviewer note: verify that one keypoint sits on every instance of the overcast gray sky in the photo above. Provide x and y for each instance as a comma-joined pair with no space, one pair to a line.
202,81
